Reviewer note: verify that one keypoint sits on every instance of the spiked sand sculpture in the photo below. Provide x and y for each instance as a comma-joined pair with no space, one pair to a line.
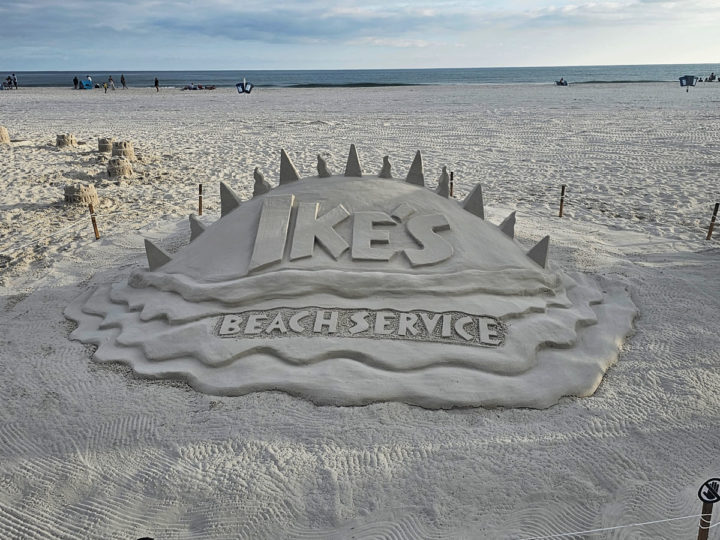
351,289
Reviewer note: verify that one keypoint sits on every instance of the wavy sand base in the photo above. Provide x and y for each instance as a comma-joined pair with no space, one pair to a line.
89,450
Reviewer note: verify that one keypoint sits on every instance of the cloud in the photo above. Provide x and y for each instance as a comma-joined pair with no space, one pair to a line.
158,30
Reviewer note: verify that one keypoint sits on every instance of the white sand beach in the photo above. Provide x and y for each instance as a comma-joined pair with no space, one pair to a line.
91,450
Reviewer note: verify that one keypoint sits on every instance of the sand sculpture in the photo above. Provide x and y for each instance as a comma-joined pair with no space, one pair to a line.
119,166
81,194
386,171
105,144
352,289
67,139
4,135
261,186
124,149
322,168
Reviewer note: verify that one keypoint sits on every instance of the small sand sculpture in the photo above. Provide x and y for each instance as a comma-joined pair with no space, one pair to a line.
385,172
81,194
261,185
4,136
322,168
66,139
119,166
443,188
105,145
353,167
124,149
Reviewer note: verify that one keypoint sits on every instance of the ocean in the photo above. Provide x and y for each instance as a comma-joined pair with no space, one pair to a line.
379,77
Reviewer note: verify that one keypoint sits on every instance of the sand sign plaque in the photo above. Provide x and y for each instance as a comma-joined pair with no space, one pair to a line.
350,289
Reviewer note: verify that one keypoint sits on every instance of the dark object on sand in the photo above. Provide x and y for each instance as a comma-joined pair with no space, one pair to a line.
244,87
688,81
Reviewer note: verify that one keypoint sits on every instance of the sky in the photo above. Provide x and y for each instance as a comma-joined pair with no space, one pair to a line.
62,35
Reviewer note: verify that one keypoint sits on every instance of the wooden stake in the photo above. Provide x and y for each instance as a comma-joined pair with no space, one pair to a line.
562,199
94,223
452,182
712,222
199,199
705,520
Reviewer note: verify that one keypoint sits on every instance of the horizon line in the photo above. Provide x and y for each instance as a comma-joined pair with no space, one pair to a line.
359,69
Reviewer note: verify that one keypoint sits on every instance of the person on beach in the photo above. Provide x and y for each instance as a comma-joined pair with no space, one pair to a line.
105,85
89,78
122,81
14,80
157,85
75,82
111,83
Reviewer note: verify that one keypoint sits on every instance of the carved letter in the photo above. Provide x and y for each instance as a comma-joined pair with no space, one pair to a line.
407,322
253,323
460,325
276,324
488,331
364,236
430,321
360,323
308,227
424,229
382,320
294,322
446,328
230,325
330,322
272,231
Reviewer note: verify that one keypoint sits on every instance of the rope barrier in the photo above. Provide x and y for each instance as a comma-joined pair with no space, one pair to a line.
592,531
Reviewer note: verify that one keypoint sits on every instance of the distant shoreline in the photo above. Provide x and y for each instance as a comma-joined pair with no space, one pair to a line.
377,77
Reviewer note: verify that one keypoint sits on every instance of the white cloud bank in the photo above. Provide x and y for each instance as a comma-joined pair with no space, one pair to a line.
217,34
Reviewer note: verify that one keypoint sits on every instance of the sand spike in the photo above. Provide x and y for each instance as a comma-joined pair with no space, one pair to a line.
473,203
415,174
539,253
322,168
443,188
353,163
508,225
261,186
156,256
385,171
196,227
288,172
228,200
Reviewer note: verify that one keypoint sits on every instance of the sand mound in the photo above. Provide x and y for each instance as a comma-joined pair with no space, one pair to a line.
123,149
379,290
67,139
119,166
105,144
81,194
